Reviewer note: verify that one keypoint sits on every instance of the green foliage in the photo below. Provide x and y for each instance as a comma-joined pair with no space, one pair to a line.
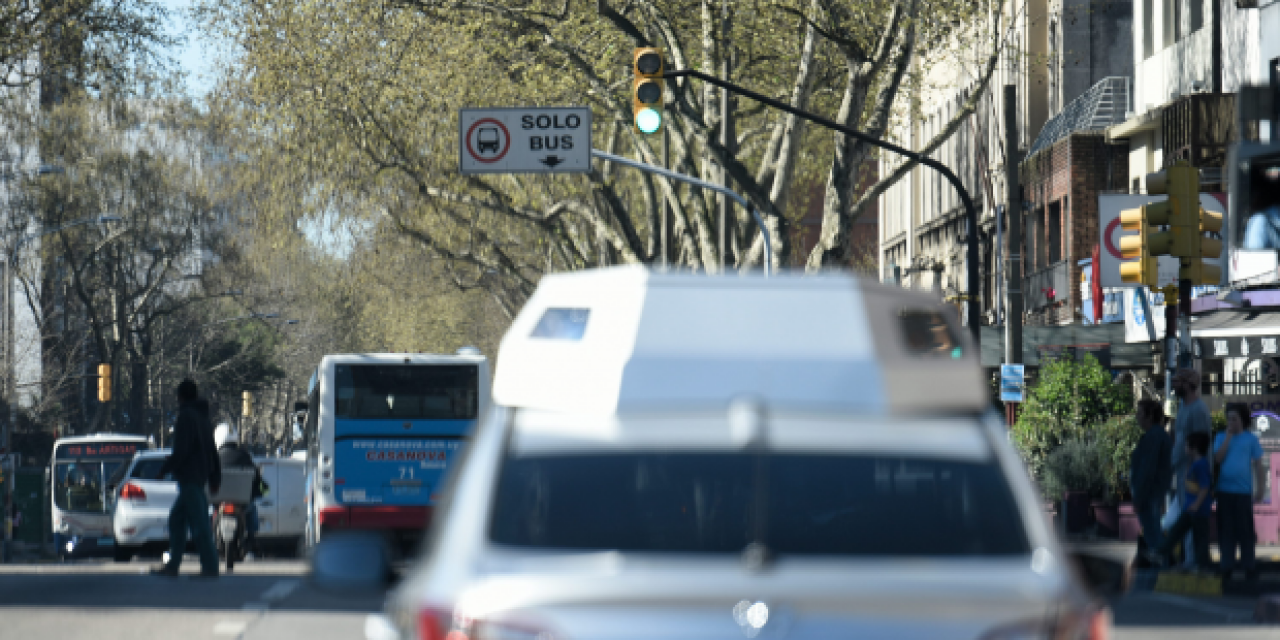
1077,465
1075,401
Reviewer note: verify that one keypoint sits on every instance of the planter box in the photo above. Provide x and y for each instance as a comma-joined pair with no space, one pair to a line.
1107,518
1077,511
1130,529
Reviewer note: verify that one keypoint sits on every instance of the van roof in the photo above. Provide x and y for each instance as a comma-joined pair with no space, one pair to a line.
628,339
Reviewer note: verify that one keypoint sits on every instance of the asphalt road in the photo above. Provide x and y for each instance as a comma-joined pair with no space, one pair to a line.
274,599
106,601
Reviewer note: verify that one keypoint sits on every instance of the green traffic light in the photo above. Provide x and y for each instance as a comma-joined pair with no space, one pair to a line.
648,120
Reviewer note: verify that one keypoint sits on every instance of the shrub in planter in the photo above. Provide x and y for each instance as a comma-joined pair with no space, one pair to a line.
1075,400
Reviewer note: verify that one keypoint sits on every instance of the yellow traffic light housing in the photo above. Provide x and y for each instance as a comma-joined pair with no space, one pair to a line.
1147,246
104,383
1190,222
647,89
247,409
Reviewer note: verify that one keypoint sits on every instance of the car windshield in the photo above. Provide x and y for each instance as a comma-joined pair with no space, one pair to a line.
817,504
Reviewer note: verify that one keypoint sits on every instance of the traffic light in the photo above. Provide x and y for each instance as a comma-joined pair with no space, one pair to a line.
1189,223
247,410
104,383
646,90
1147,246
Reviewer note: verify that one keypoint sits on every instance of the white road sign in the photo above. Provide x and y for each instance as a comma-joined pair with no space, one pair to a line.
524,140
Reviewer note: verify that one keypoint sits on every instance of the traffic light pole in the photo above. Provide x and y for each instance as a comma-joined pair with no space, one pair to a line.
768,247
971,212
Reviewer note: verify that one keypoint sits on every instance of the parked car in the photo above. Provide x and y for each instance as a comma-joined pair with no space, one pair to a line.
141,501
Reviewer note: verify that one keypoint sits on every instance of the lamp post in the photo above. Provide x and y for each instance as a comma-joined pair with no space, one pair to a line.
10,337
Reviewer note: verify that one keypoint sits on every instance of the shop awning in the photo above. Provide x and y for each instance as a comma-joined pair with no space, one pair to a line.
1237,333
1104,341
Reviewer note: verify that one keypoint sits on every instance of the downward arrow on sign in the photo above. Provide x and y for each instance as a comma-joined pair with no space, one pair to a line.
551,161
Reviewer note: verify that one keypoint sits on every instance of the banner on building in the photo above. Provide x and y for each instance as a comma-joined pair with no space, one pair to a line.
1109,208
1139,321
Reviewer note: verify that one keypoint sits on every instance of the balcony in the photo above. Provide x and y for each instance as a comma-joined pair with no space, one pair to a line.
1043,287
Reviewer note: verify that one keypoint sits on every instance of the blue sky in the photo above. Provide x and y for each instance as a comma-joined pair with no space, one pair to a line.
197,55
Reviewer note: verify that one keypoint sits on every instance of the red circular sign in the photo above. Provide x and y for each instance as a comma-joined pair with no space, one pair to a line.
1109,238
500,146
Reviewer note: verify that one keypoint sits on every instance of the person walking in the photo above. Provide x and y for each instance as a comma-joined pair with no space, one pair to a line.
193,463
1241,483
1199,504
1150,471
1193,417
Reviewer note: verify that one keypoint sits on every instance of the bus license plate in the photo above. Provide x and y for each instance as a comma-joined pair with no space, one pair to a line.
405,491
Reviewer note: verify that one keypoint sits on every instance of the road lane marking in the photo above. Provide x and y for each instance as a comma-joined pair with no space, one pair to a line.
280,590
229,628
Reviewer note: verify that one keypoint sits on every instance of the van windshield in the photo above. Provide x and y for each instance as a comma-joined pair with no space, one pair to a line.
817,504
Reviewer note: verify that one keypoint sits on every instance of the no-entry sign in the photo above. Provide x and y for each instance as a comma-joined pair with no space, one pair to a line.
524,140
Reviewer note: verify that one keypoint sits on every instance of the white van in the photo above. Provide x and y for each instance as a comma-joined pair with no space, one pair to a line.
282,513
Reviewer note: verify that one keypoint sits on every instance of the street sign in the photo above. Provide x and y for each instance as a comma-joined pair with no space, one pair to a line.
524,140
1012,382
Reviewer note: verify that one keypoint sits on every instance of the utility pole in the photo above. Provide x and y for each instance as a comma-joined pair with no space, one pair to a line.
666,164
1013,209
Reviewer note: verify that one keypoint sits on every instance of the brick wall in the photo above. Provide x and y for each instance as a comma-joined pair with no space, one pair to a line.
1072,173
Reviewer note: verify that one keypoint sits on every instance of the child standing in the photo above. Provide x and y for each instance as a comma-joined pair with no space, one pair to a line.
1195,518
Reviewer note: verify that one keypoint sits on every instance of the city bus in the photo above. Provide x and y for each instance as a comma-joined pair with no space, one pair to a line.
78,476
381,430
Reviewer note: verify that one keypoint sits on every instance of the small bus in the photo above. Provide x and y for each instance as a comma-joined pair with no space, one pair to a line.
79,472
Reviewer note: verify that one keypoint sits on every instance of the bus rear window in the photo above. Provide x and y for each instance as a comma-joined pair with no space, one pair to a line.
441,392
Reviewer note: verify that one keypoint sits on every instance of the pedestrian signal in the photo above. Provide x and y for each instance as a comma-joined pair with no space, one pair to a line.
646,90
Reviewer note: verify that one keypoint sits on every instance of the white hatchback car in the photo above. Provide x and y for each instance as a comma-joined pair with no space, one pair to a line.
140,505
141,501
677,456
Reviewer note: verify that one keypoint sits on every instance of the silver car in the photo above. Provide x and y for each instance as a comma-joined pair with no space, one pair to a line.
723,494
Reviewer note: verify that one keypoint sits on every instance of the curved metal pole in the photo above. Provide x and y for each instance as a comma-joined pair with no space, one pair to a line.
636,164
971,212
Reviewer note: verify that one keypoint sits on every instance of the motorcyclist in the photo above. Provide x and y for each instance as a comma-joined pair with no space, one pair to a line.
231,454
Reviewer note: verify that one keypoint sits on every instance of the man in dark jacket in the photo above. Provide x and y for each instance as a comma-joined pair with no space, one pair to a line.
193,463
1150,471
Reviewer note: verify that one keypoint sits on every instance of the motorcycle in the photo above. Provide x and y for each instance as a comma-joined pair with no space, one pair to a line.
231,532
230,518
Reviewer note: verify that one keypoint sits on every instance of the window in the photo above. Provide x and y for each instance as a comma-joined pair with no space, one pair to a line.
1148,28
1197,15
816,504
406,391
1054,240
147,469
78,486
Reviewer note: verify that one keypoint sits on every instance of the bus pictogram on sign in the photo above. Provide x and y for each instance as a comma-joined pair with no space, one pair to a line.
488,140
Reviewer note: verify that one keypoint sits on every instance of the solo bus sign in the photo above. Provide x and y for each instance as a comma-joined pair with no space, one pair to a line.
524,140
